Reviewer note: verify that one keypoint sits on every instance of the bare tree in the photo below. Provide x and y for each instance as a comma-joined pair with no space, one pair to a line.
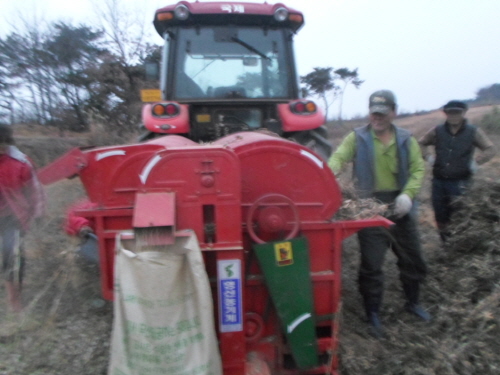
128,39
322,83
347,77
125,28
72,54
60,73
23,58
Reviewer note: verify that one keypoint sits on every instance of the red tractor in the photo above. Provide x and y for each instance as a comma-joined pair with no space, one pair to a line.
229,67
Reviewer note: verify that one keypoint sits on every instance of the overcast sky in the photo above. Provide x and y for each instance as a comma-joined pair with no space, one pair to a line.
426,51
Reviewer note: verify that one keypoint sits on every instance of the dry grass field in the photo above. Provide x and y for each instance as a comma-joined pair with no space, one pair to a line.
65,326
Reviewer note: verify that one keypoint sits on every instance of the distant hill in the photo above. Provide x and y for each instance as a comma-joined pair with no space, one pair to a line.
418,124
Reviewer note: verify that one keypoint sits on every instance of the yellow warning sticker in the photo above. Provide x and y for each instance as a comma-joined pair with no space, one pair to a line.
203,118
283,253
150,95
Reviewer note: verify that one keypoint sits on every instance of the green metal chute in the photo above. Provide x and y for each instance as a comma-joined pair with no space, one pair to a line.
286,269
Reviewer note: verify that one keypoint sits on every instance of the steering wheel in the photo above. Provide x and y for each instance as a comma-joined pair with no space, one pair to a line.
270,214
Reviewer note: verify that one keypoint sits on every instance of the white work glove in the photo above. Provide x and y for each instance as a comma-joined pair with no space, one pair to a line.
402,205
473,166
430,159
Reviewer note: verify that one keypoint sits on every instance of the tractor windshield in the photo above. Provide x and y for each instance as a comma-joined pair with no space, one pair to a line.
224,62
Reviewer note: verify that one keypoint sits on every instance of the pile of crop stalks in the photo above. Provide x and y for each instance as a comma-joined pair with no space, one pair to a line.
467,276
355,208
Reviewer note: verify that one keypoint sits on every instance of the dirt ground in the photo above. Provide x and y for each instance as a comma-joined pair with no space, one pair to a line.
65,327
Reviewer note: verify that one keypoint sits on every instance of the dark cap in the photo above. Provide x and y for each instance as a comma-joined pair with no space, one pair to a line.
6,135
382,101
455,105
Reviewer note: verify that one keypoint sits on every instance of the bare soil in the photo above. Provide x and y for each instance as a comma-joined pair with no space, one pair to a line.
65,326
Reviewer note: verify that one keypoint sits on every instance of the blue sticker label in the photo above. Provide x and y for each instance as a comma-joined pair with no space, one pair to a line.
230,301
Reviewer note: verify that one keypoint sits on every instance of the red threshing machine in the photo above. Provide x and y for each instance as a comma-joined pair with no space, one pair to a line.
255,200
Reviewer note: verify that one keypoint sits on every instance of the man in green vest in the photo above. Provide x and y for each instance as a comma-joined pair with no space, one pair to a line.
387,166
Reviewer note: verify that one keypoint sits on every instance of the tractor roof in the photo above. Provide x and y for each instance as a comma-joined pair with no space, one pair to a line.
227,13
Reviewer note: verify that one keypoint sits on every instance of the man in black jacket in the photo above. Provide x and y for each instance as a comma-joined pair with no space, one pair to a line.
454,163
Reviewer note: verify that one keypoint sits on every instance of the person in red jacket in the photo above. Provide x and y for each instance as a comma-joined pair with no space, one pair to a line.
22,200
76,225
82,227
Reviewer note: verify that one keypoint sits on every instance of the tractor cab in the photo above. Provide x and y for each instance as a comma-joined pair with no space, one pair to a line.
229,67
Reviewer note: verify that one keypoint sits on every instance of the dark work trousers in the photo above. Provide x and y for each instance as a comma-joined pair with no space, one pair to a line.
404,240
443,194
10,245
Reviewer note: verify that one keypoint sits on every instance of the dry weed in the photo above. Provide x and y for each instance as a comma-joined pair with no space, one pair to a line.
354,208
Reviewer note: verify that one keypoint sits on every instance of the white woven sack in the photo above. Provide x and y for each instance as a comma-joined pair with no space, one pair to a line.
163,312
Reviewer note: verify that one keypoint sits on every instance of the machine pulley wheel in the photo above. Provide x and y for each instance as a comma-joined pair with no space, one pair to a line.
253,326
273,213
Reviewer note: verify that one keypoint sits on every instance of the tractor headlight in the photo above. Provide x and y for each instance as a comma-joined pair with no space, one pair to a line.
181,12
280,14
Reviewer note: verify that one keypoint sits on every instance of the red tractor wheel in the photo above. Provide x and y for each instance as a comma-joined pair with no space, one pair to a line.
273,215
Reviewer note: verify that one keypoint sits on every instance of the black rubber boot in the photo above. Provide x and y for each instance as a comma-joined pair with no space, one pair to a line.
375,328
444,233
412,291
419,311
